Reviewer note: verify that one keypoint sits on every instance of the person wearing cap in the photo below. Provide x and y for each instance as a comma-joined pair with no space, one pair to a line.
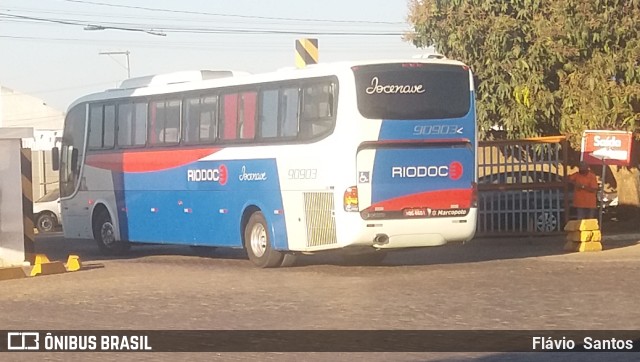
585,192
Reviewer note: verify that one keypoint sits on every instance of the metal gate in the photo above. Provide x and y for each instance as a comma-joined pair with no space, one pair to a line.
522,186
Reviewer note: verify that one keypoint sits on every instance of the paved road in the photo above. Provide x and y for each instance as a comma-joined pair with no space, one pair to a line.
485,284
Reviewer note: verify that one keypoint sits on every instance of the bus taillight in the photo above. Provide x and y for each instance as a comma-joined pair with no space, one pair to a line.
350,199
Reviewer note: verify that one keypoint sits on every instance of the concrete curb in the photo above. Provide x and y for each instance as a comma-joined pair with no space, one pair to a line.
42,266
12,273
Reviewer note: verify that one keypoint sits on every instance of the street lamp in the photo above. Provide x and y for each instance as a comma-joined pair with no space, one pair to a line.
120,53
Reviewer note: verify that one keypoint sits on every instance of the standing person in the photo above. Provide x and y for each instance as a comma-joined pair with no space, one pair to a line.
585,192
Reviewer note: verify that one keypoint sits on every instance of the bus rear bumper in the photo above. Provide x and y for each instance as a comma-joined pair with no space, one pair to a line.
398,234
410,241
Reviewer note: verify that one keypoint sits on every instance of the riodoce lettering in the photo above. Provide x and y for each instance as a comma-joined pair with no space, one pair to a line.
393,88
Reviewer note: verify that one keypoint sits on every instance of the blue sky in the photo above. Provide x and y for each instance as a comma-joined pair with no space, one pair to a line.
60,63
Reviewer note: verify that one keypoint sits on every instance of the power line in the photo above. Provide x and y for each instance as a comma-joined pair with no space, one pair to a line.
231,15
56,21
237,31
77,22
191,19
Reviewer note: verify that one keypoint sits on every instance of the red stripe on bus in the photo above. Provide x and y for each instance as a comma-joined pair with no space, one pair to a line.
442,199
147,161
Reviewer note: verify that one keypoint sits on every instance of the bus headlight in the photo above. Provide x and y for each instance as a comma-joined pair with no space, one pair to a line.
350,199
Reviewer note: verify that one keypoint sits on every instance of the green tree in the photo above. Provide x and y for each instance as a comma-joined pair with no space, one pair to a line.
544,67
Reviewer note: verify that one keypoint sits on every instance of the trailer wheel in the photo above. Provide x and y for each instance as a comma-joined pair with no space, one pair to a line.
258,244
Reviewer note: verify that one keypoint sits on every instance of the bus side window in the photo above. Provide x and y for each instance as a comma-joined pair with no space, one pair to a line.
109,137
317,116
229,116
95,126
172,121
191,121
169,135
290,105
125,123
247,115
268,113
140,124
153,122
164,122
208,120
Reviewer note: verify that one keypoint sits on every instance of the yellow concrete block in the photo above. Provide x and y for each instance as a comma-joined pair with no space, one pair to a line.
41,259
73,263
582,236
582,225
583,246
12,273
54,267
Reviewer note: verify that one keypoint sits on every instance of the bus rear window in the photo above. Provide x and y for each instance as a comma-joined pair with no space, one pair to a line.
412,91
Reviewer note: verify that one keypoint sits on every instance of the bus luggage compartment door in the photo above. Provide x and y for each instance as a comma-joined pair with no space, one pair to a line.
420,180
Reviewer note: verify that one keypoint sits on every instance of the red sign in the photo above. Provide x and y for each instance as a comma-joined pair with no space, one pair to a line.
608,147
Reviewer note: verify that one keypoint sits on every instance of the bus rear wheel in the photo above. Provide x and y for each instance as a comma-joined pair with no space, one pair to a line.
258,244
104,233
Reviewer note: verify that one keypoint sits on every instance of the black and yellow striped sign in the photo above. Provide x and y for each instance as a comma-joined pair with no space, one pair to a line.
27,204
306,52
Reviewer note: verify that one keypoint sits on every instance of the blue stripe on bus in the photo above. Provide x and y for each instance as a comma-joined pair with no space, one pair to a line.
201,203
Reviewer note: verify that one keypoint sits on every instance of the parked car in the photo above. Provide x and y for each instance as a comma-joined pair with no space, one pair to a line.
46,212
527,201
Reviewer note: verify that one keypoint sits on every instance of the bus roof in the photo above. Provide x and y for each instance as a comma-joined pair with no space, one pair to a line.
203,79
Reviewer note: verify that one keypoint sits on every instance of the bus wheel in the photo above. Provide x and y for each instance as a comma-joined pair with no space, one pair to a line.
105,234
371,258
258,244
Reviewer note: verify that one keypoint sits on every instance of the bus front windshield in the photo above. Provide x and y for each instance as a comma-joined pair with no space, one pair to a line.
412,91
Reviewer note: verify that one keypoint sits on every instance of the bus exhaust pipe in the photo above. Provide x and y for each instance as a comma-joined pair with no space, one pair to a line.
381,239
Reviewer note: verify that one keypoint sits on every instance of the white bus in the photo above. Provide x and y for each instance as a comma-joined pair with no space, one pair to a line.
361,156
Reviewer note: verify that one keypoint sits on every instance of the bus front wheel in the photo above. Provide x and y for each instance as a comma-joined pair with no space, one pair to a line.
105,234
258,243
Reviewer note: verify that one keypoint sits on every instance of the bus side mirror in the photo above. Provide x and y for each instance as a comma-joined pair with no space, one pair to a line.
55,159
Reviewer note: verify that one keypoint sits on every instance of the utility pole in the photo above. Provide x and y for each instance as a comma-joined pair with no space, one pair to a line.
120,53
